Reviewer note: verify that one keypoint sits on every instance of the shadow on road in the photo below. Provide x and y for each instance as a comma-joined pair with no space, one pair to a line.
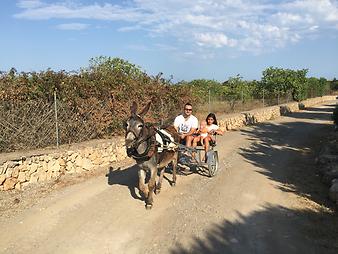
285,153
314,113
294,144
272,229
268,231
328,109
129,177
126,177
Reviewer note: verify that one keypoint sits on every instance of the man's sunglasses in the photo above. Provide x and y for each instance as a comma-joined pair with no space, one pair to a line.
188,109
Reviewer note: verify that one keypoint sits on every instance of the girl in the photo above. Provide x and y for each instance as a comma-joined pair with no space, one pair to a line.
207,134
213,128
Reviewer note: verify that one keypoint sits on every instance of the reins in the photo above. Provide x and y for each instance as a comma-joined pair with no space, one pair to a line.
152,145
150,148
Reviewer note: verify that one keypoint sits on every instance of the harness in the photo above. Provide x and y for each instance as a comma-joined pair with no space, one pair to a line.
165,142
152,144
150,148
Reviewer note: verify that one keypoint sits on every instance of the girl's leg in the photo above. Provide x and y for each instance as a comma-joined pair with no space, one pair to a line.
206,146
203,144
206,143
194,144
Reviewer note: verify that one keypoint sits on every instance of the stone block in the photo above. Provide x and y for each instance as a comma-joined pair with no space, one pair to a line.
33,168
333,193
42,176
330,175
9,172
9,183
62,162
18,186
34,178
2,179
15,172
87,164
22,177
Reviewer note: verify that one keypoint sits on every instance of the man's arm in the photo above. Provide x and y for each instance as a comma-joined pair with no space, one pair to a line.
192,131
184,135
176,123
176,128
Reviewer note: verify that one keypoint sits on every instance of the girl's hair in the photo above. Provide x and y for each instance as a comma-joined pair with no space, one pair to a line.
213,116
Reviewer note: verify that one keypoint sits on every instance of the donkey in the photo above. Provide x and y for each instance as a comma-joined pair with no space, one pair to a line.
141,141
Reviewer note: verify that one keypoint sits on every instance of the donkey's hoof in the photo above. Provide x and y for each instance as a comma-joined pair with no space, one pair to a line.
157,191
149,206
173,184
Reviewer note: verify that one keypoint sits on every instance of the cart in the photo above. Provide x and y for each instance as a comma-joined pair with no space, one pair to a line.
196,158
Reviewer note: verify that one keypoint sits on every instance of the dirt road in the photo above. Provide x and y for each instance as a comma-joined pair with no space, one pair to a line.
266,198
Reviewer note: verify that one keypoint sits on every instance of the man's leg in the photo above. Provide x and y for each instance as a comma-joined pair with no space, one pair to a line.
195,141
194,144
189,140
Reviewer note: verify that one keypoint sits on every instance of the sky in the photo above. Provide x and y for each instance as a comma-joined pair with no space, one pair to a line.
183,39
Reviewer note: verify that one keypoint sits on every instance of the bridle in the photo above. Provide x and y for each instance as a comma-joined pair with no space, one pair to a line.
139,139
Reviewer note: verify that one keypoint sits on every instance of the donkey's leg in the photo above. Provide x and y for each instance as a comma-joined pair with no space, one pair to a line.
151,187
159,184
174,164
142,186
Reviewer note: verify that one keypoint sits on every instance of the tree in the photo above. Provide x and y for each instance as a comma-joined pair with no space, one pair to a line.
235,89
278,81
200,89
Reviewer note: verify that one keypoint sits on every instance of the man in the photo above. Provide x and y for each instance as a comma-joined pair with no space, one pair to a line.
186,124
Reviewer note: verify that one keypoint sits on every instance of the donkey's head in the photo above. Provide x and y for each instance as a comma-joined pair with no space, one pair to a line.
134,126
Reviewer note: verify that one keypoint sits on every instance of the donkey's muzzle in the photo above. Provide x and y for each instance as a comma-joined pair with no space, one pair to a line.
130,140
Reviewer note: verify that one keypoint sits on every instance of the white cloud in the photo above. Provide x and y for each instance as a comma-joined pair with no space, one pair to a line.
68,10
28,4
286,19
320,10
247,25
214,40
313,28
72,26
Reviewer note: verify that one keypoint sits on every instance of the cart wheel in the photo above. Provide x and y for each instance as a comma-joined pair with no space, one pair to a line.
212,160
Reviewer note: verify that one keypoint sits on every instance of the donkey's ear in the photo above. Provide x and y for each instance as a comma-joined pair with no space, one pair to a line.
133,108
145,110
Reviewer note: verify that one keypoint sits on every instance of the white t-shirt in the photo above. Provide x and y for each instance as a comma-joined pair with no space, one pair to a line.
212,127
183,125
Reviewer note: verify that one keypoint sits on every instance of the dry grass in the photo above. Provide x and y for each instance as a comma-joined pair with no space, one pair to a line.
223,107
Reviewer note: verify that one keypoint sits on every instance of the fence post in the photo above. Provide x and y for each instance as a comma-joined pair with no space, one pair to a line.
209,106
56,120
162,115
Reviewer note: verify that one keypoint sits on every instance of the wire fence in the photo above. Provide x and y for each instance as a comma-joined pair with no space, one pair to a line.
241,103
36,123
224,105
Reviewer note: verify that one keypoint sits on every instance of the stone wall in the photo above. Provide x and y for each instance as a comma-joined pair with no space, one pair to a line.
313,101
289,108
232,121
327,163
20,170
236,121
263,114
